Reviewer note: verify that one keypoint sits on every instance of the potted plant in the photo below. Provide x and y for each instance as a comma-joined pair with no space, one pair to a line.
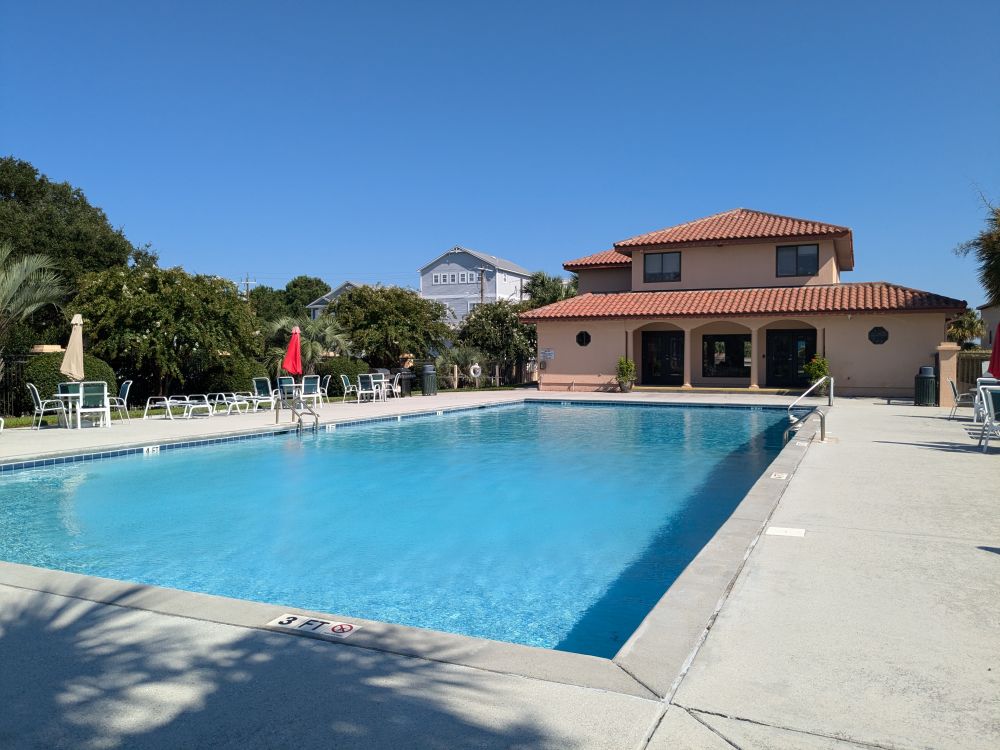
625,374
816,368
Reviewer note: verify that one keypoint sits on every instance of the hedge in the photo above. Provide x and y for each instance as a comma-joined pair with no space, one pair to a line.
43,372
337,366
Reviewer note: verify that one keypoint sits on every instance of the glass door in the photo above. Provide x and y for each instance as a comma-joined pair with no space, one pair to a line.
663,358
788,351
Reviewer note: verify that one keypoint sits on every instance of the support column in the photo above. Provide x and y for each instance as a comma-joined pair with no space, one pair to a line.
947,368
754,359
687,358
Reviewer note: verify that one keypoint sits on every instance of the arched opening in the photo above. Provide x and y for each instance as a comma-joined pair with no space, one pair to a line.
788,347
659,354
721,354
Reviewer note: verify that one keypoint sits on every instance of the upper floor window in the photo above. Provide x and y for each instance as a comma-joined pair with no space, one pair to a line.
661,267
436,279
454,278
472,276
798,260
461,278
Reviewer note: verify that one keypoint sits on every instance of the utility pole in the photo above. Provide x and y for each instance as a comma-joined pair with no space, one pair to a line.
482,284
245,285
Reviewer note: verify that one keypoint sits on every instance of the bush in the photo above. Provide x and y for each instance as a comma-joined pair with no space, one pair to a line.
625,372
235,375
816,368
43,371
337,366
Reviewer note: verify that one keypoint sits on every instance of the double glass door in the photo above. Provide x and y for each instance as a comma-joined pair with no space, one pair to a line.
663,358
788,352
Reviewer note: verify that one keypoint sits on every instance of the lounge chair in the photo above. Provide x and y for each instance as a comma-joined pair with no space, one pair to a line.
348,388
262,394
120,402
94,400
45,406
311,390
229,402
991,415
961,399
979,407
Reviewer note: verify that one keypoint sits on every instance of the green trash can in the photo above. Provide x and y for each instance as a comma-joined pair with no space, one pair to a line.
925,391
428,381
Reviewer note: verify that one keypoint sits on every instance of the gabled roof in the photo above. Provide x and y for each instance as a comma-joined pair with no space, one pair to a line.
604,259
492,260
330,296
741,225
826,299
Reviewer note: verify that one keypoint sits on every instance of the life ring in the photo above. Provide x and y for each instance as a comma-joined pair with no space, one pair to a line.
475,371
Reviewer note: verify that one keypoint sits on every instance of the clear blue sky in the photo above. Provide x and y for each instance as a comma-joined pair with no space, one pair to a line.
359,140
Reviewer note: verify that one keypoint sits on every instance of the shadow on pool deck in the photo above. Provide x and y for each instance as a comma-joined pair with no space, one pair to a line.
83,675
673,547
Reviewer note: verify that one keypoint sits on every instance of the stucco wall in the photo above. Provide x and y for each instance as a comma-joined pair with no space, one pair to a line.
991,319
859,366
734,266
605,280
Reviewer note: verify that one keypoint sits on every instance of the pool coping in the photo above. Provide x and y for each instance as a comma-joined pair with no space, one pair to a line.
649,664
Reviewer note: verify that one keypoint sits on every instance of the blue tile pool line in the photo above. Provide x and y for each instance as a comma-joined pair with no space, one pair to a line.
8,467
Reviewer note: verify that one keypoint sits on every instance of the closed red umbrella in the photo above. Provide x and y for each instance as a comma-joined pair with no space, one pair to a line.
292,363
994,368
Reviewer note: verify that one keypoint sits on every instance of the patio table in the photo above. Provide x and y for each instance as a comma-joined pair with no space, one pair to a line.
72,400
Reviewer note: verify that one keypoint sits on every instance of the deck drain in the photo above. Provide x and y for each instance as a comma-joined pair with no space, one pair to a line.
779,475
783,531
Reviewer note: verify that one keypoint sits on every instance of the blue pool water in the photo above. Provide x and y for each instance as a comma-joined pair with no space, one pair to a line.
550,525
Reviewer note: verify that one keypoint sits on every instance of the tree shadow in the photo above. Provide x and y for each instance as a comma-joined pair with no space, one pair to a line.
77,674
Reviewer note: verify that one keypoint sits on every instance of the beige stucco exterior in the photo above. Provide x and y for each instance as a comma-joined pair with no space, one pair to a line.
859,366
991,319
733,266
600,280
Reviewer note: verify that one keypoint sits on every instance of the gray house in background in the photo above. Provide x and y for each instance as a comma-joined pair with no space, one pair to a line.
316,307
463,278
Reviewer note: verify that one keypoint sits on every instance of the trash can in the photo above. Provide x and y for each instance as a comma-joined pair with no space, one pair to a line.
406,378
925,390
429,382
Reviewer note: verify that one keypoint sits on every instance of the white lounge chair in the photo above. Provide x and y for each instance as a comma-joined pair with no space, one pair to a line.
991,415
262,394
348,387
45,406
311,390
961,399
120,402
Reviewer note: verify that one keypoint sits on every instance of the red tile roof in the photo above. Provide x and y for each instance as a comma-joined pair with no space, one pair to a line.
737,224
604,259
832,299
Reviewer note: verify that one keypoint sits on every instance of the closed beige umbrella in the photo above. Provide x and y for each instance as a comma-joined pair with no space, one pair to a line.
72,364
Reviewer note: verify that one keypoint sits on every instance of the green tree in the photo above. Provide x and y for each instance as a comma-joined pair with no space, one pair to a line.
986,247
38,216
544,289
268,304
302,290
461,356
384,322
162,327
494,329
319,339
27,284
966,327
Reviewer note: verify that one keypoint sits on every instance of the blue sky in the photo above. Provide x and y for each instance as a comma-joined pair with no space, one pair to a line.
360,140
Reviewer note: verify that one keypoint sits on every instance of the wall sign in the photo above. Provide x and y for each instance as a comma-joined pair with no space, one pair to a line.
878,335
547,354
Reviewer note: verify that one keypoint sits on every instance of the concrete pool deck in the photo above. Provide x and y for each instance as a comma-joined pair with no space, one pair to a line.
880,627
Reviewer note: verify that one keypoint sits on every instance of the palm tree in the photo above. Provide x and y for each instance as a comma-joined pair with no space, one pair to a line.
966,327
27,284
544,289
320,338
986,247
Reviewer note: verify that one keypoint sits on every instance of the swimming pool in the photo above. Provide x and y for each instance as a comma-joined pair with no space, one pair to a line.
551,525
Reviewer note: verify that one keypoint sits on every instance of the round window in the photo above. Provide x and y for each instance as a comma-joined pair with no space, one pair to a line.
878,335
583,338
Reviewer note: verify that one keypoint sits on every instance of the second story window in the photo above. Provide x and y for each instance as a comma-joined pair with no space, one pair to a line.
661,267
798,260
454,278
436,279
461,278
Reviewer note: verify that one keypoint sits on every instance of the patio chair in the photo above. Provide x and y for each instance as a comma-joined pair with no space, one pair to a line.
45,406
1,424
366,386
94,400
979,407
393,388
967,399
324,387
120,402
262,394
286,391
991,415
348,387
311,390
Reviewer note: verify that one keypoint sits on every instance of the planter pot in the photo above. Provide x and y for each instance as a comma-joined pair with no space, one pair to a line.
625,386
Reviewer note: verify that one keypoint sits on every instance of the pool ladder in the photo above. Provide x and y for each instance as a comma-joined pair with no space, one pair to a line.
822,414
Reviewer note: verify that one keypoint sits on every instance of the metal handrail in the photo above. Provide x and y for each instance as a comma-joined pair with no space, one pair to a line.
829,401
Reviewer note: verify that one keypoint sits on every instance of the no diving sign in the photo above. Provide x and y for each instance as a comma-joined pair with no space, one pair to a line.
312,626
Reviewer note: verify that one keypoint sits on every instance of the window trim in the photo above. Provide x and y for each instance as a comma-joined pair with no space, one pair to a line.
645,277
436,278
777,252
454,278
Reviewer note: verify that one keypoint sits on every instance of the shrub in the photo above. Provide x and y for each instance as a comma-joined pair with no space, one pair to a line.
43,371
337,366
626,371
816,368
235,375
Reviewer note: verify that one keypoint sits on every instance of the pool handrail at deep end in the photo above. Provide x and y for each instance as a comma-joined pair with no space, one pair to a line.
829,401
